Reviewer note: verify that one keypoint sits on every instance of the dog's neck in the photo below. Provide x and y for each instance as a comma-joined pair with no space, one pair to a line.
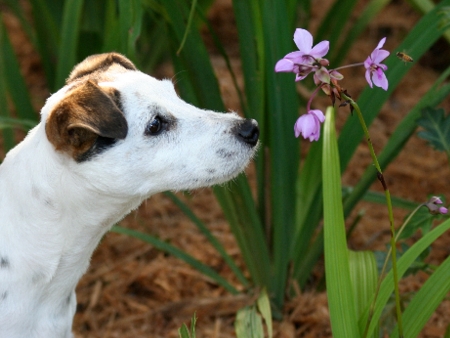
49,242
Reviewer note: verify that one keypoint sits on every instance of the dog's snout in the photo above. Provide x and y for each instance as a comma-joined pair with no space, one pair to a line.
248,131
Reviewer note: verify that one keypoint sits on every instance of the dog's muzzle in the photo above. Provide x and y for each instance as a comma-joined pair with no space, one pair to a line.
248,131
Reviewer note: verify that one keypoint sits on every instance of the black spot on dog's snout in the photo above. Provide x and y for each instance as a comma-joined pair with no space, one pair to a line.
224,153
4,263
248,131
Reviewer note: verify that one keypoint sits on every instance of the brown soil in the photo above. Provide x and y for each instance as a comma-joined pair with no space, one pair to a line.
134,290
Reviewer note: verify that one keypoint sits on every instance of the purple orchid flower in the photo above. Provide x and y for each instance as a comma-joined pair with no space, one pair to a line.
375,69
308,125
307,59
433,205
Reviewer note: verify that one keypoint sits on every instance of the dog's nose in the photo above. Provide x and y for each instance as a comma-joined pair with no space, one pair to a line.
248,131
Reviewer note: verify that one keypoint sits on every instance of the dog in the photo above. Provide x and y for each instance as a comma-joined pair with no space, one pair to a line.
109,139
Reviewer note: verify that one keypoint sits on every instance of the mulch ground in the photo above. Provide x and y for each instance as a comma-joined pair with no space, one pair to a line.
133,290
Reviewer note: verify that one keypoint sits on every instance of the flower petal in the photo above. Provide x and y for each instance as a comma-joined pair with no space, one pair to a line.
320,50
284,65
305,125
379,55
296,56
379,79
318,113
322,75
367,75
368,62
303,39
381,43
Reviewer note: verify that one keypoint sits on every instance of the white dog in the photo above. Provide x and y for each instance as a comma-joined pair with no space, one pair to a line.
107,140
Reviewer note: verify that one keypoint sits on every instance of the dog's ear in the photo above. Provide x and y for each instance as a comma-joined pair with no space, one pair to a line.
99,63
86,113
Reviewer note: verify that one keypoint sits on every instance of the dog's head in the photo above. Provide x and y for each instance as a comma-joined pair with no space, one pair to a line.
125,131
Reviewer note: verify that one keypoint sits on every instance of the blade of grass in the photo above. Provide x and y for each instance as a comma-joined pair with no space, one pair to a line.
47,26
67,51
180,254
426,300
370,11
387,285
281,112
333,24
21,123
210,237
339,286
14,80
251,45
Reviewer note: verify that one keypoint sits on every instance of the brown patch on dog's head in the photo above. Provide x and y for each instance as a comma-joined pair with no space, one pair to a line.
99,63
85,114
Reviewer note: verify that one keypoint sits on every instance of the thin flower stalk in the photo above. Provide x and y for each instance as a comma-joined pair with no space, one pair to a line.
390,212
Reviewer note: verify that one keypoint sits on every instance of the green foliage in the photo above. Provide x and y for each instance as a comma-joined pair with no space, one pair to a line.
249,320
436,128
184,332
274,221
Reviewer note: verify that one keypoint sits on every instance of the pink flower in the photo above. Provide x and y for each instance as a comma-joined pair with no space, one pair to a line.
375,69
433,205
309,125
307,59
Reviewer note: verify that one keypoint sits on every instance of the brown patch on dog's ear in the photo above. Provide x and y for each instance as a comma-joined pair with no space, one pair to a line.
86,113
97,63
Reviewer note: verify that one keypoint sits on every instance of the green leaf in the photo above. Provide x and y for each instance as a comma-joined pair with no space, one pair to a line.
422,219
436,128
339,286
387,285
161,245
364,276
183,331
67,51
425,302
263,303
14,81
248,323
211,238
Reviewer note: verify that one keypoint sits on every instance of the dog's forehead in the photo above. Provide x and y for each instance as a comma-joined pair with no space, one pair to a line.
138,86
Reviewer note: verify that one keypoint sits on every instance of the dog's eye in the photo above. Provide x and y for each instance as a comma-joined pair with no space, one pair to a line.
154,127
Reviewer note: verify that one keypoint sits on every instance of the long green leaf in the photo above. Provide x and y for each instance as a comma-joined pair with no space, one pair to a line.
339,286
166,247
47,23
210,237
425,302
14,80
370,11
67,51
387,286
251,44
282,111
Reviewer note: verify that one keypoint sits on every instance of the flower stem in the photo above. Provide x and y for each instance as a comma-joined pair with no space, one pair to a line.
312,96
350,66
391,214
